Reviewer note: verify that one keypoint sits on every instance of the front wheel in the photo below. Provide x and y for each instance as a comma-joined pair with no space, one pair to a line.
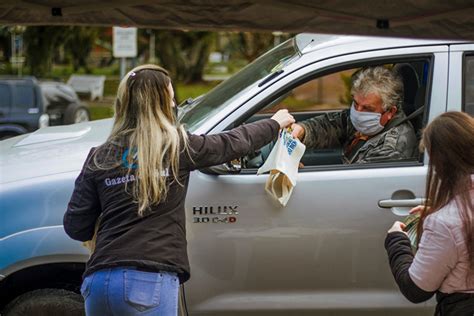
76,113
46,302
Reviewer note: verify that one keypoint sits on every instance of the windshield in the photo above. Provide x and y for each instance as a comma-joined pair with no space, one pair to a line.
195,114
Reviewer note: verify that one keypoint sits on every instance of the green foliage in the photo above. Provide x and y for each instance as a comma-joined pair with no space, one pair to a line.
346,98
252,45
59,51
184,54
111,85
249,45
104,109
184,91
79,43
41,43
99,112
64,71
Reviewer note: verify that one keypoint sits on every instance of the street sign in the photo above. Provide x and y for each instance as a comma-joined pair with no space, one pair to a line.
124,41
17,59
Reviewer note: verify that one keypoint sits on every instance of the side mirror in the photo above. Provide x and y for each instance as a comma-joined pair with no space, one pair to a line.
231,167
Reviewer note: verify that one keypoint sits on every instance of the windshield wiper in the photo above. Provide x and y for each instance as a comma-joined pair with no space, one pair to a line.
186,102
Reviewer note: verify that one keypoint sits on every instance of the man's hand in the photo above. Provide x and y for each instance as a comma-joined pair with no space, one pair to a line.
298,131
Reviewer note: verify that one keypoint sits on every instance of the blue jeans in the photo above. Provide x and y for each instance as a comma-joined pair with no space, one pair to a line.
127,291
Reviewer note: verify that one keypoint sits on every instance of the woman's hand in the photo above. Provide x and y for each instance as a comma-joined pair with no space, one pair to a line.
397,227
418,209
283,118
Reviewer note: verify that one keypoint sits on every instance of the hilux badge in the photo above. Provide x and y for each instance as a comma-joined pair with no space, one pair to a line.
215,214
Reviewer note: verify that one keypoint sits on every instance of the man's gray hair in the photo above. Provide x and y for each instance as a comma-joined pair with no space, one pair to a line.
381,81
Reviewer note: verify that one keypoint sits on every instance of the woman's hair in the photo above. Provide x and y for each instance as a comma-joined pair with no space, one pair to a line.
381,81
449,142
145,135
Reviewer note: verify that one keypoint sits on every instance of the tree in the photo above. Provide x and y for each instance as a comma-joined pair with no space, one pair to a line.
41,43
79,43
5,42
184,54
252,45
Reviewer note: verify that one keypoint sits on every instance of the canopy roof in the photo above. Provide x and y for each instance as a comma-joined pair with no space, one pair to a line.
406,18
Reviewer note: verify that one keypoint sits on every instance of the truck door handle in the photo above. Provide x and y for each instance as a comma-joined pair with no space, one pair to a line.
401,203
401,207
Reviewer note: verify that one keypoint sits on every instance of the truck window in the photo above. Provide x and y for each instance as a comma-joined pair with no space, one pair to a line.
468,92
328,98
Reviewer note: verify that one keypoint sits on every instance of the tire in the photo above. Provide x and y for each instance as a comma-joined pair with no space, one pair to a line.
46,302
76,113
8,135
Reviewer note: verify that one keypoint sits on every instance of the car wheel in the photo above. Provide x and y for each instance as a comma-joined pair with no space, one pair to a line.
46,302
7,135
76,113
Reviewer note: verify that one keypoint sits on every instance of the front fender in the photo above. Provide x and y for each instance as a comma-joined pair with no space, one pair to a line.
36,246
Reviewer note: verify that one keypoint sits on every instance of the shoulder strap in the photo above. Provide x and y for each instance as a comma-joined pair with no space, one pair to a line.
414,114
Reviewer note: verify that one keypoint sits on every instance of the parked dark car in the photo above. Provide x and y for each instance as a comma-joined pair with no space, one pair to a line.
27,104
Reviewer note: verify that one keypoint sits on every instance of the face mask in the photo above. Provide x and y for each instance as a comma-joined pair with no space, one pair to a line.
368,123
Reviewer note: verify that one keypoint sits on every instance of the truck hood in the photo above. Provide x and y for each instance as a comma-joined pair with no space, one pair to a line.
50,150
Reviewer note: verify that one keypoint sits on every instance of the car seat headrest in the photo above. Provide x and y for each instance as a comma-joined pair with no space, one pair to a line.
411,84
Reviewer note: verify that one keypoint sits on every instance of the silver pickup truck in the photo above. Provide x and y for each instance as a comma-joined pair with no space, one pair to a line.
322,254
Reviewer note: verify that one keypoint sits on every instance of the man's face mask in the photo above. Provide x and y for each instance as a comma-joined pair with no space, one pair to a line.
368,123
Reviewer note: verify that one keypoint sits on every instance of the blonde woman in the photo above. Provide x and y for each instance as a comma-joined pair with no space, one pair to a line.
136,182
444,262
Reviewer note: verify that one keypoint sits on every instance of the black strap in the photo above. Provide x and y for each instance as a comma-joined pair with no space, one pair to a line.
414,114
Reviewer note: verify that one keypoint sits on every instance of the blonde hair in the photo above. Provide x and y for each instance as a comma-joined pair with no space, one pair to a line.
146,125
381,81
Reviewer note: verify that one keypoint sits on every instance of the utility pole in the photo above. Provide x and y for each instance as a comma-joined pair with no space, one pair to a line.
152,58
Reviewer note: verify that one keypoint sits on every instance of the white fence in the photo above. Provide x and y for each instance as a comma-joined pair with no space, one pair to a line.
93,85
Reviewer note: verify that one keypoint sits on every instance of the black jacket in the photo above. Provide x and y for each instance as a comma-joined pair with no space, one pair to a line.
156,241
400,256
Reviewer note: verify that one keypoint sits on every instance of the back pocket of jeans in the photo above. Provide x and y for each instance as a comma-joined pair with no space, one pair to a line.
86,286
142,289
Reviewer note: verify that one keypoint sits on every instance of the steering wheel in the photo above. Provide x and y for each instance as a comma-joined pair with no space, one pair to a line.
258,158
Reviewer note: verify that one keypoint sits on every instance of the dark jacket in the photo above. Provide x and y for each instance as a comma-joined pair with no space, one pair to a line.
400,256
397,141
156,241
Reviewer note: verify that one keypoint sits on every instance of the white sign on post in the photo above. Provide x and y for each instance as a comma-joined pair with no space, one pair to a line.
125,42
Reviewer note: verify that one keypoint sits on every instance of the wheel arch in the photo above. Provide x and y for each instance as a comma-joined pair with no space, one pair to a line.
10,128
60,275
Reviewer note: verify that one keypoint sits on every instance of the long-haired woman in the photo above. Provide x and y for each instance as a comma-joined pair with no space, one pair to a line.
444,261
136,182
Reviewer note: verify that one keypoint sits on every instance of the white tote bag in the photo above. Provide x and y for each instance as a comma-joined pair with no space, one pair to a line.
283,163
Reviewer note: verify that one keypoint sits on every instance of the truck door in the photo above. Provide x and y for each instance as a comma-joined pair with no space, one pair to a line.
323,253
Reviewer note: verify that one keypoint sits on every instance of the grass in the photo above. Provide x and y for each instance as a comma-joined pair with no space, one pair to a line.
100,112
184,91
104,108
